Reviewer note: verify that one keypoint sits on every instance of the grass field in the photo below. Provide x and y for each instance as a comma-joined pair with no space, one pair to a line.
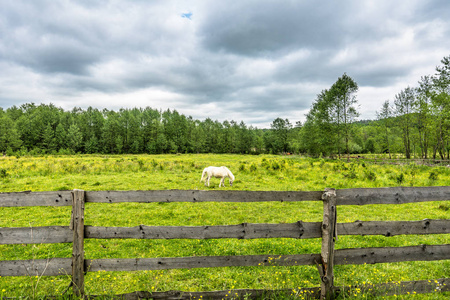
265,172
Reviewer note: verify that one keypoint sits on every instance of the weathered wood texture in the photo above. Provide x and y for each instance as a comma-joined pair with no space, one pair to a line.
391,228
36,267
200,196
398,288
342,257
57,266
383,289
298,229
77,226
60,198
328,238
164,263
77,265
306,293
35,235
358,256
304,230
392,195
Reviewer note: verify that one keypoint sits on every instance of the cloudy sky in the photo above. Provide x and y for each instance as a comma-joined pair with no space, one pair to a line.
246,60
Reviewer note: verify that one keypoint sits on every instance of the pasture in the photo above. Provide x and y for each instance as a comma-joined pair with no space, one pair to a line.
145,172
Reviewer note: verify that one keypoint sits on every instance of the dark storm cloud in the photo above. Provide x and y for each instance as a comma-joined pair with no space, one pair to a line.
243,60
268,27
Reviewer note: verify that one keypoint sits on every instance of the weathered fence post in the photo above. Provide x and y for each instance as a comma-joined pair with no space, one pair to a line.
77,226
328,239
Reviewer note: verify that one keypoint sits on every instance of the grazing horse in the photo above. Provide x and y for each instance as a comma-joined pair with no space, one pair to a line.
218,172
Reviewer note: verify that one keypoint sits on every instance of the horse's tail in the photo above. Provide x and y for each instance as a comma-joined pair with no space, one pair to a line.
203,175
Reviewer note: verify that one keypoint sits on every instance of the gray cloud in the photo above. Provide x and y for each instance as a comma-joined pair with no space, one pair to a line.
245,60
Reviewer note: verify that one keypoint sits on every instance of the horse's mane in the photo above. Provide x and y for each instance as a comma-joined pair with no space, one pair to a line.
229,173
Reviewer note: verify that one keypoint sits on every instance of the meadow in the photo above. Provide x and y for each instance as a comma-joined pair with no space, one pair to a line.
259,173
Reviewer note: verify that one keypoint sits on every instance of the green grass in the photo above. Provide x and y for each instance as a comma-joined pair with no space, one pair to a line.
262,173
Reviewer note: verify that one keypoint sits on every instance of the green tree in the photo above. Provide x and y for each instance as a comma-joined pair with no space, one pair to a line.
110,131
423,108
343,110
48,139
278,136
9,137
384,117
197,137
318,135
74,138
60,137
441,107
404,103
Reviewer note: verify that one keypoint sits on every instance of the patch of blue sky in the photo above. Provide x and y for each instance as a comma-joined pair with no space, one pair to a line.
187,15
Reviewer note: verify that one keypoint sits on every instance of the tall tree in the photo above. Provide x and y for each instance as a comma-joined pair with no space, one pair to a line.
343,109
278,136
441,106
404,104
9,137
424,95
74,138
384,116
319,132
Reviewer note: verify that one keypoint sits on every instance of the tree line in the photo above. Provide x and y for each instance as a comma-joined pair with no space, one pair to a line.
416,123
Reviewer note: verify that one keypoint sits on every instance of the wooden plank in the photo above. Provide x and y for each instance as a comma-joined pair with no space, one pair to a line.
328,239
164,263
377,290
392,195
77,226
218,295
392,228
303,230
399,288
342,257
35,235
299,229
58,198
359,256
36,267
199,196
62,266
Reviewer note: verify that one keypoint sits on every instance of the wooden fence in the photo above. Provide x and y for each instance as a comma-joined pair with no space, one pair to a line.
328,229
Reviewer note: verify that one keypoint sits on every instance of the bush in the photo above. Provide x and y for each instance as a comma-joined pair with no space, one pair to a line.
3,173
370,175
433,176
400,178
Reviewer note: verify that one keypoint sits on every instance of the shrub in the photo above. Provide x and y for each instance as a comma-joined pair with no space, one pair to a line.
433,176
370,175
276,165
400,178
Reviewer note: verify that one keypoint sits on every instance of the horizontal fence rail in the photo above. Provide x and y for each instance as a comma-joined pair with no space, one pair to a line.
297,230
77,232
360,196
354,256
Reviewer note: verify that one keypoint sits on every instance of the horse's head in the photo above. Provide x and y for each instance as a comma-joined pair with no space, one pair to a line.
231,182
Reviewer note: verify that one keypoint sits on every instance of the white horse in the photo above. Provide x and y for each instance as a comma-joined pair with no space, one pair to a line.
218,172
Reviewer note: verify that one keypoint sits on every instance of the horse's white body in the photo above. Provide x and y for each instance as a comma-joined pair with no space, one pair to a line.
218,172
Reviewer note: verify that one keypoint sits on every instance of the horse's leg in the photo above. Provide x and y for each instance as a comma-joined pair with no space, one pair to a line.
209,177
221,182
